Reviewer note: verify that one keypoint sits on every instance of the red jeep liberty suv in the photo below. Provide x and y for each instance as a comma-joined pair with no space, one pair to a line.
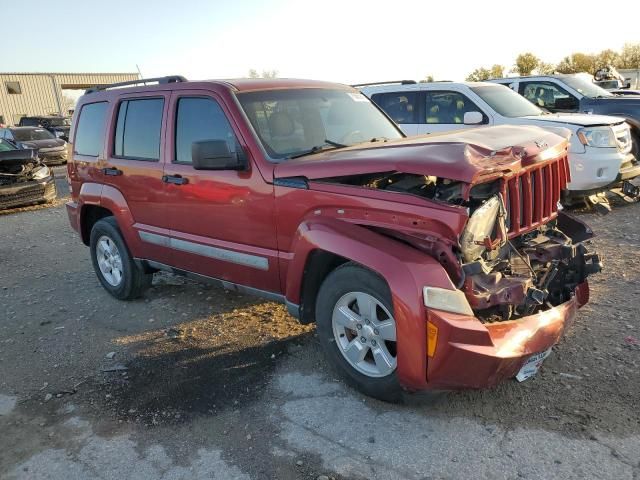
435,262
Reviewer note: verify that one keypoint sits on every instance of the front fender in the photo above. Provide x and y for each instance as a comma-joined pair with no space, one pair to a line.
405,269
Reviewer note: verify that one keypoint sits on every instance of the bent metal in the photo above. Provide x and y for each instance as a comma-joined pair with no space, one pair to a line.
426,263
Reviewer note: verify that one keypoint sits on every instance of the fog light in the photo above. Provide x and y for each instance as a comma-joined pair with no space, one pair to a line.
600,172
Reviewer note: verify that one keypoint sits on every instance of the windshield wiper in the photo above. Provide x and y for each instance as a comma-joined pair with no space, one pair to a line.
379,139
320,148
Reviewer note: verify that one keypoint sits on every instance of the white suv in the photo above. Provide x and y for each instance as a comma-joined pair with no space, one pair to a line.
600,149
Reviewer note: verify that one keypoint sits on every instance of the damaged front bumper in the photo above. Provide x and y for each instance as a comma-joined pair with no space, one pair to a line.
470,354
511,316
27,193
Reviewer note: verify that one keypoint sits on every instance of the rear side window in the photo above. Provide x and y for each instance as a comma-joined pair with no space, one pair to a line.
88,139
200,119
138,129
401,106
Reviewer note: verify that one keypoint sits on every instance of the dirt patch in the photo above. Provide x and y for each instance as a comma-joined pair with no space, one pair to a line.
196,367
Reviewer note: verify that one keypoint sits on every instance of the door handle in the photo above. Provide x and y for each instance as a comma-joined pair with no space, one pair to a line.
114,172
175,179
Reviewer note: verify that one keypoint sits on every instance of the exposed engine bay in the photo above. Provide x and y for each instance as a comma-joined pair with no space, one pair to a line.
504,276
516,277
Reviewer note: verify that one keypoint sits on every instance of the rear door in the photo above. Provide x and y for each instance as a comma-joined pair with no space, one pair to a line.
134,167
223,221
402,107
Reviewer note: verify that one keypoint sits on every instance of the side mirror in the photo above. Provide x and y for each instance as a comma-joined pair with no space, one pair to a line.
472,118
215,155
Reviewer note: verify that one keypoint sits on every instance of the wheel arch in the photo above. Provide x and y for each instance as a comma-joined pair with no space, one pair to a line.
328,243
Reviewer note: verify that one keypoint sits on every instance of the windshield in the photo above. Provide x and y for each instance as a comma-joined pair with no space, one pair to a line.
585,87
292,122
32,134
506,102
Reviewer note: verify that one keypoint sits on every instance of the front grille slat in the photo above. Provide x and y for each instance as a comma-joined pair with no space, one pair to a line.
532,196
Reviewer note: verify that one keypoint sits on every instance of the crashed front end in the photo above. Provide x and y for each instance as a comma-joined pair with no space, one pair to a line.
523,274
517,264
24,180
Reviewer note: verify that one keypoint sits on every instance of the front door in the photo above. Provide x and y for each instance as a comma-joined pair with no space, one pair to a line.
222,222
549,95
444,111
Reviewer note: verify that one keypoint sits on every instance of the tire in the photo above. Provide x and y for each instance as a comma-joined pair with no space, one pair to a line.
113,264
343,291
635,144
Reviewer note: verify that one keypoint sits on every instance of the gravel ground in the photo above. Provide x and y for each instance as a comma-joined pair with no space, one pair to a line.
196,382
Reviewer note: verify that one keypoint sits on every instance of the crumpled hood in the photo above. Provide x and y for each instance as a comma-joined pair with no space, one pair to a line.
580,119
465,156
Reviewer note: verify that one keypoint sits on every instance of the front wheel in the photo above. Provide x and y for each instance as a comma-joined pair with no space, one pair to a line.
357,330
114,266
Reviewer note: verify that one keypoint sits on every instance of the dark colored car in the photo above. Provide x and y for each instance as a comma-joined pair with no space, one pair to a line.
58,126
24,180
51,150
575,93
432,262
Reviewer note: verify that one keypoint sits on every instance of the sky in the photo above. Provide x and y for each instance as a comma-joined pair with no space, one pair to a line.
337,40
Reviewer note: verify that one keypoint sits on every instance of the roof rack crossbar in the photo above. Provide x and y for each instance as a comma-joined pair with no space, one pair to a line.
390,82
158,80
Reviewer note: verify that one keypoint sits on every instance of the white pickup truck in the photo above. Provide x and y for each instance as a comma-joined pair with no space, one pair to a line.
600,146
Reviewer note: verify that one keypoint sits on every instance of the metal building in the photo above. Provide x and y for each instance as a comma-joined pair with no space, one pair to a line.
23,94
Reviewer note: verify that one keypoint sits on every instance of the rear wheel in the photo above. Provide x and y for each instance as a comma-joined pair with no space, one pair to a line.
113,264
357,330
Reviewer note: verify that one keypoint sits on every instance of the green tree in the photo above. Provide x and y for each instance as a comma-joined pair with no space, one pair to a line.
479,75
578,62
545,68
526,63
606,58
497,71
630,56
253,73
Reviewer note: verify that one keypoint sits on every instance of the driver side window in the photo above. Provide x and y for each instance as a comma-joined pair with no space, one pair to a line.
547,95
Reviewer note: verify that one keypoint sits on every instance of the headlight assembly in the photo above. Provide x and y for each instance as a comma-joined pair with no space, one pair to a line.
42,172
480,226
599,137
448,300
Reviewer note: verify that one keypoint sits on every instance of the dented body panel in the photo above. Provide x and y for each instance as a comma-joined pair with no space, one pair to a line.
398,208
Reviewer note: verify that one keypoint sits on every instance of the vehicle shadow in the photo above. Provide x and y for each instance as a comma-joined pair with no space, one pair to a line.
218,353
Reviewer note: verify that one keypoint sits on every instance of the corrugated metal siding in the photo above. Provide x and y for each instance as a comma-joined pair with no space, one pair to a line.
42,92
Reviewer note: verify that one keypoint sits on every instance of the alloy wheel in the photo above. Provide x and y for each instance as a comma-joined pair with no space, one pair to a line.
109,260
365,333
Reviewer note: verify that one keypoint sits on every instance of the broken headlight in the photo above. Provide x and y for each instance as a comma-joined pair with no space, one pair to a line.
479,227
42,172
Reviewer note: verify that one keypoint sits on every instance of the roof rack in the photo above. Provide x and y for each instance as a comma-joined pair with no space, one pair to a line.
158,80
391,82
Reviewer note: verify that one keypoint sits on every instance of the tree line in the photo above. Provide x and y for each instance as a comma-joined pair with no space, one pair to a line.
527,63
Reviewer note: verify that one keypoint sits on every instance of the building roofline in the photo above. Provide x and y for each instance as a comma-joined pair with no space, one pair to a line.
69,73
